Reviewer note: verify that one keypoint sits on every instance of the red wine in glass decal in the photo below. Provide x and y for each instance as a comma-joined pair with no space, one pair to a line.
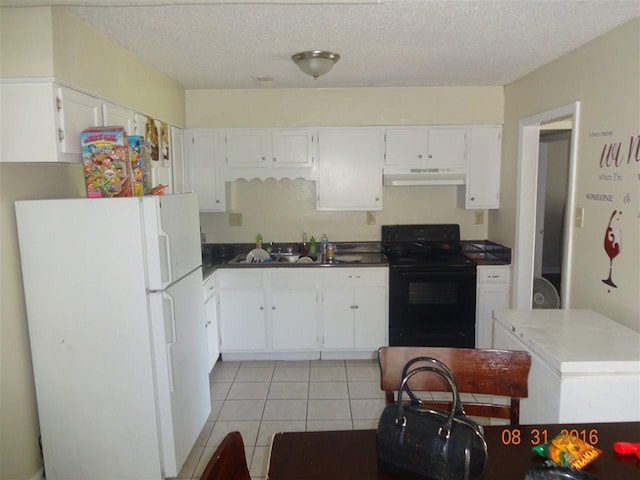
612,245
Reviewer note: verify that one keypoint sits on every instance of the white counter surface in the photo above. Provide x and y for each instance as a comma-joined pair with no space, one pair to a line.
576,340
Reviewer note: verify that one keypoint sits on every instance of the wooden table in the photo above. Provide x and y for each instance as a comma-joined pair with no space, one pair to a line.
351,454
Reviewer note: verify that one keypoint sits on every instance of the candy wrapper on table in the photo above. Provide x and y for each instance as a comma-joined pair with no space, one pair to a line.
140,157
106,164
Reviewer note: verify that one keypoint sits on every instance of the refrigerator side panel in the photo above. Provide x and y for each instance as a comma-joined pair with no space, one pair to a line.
180,351
88,318
172,238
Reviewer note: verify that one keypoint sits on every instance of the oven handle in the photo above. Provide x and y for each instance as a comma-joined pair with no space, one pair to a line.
466,272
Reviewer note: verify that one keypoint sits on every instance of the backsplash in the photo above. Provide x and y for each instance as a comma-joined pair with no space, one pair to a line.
282,210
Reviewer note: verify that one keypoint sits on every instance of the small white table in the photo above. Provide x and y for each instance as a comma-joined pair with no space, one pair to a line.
585,367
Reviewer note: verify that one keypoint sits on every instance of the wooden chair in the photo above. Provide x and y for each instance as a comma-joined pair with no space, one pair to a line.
228,461
501,373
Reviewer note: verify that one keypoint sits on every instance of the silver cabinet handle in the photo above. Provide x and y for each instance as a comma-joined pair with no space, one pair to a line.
261,308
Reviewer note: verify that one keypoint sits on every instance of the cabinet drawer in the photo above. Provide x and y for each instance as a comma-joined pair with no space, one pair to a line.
356,277
493,274
295,277
240,278
209,287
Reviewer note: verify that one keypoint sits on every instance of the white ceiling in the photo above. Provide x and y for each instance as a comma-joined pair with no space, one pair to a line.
227,44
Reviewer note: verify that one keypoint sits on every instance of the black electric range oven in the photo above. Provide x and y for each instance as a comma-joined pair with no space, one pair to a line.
432,286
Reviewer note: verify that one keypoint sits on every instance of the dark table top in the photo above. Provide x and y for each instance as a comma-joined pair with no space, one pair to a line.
351,454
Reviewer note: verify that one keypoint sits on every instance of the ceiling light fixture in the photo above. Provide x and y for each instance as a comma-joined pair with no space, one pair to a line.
315,62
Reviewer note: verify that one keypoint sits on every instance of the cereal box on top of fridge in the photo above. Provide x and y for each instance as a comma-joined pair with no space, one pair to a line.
105,159
140,164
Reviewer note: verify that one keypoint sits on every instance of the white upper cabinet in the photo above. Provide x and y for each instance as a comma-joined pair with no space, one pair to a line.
426,147
116,115
350,168
247,148
78,111
176,137
483,172
270,153
203,170
41,122
293,148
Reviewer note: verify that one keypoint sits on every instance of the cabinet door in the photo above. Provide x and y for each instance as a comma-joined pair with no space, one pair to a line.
293,148
247,148
140,124
177,160
211,313
76,112
483,170
28,123
294,319
447,147
337,318
115,115
350,168
370,317
492,293
406,147
205,174
242,320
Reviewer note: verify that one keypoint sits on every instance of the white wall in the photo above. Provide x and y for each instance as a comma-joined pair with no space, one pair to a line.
604,75
282,210
47,42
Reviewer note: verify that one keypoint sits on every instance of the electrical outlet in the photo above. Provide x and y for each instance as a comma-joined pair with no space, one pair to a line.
479,218
235,219
579,218
371,218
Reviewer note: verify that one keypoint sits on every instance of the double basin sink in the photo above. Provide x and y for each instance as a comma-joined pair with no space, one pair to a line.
275,258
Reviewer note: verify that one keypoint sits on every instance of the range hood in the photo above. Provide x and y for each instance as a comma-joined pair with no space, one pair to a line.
423,176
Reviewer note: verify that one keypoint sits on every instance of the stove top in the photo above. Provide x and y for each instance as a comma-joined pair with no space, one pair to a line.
424,246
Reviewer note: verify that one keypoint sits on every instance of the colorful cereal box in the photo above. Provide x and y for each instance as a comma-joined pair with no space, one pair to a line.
105,158
140,164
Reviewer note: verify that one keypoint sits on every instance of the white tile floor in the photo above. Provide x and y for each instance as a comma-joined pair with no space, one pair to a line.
262,398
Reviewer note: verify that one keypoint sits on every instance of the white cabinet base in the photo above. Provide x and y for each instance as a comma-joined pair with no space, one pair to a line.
575,377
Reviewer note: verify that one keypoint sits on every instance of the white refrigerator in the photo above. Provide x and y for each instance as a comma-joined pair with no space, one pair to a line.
116,323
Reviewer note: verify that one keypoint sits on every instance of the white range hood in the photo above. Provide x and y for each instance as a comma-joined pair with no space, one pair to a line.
423,176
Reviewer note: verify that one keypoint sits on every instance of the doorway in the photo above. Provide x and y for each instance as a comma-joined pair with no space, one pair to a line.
528,238
553,177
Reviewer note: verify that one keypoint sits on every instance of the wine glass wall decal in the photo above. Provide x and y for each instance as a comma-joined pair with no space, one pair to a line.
612,246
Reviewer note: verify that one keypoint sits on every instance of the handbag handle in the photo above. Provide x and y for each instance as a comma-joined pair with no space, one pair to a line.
445,430
459,410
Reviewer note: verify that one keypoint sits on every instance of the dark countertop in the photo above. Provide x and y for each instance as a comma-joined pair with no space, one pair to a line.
368,255
486,252
483,252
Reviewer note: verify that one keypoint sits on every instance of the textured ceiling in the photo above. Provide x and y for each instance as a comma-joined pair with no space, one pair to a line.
218,44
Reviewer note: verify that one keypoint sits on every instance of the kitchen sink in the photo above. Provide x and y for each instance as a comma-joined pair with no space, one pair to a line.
285,258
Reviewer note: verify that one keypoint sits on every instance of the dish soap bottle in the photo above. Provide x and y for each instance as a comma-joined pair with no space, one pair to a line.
324,242
305,247
312,247
259,241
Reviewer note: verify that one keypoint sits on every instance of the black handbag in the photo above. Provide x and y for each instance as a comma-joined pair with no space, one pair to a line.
424,443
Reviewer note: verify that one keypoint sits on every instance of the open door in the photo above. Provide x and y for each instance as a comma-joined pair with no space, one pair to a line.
527,228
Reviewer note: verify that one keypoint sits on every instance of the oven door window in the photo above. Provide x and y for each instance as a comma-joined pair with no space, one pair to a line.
433,292
431,299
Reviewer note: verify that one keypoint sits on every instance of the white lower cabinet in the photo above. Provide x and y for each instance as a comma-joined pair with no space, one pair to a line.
354,309
211,317
265,310
277,313
492,293
241,300
294,309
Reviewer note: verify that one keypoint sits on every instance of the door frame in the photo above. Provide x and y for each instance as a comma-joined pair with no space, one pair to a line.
528,151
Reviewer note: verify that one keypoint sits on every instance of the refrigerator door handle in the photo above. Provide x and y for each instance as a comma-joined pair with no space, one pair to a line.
170,334
165,255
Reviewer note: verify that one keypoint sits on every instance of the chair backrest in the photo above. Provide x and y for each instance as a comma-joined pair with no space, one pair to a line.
228,461
502,373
